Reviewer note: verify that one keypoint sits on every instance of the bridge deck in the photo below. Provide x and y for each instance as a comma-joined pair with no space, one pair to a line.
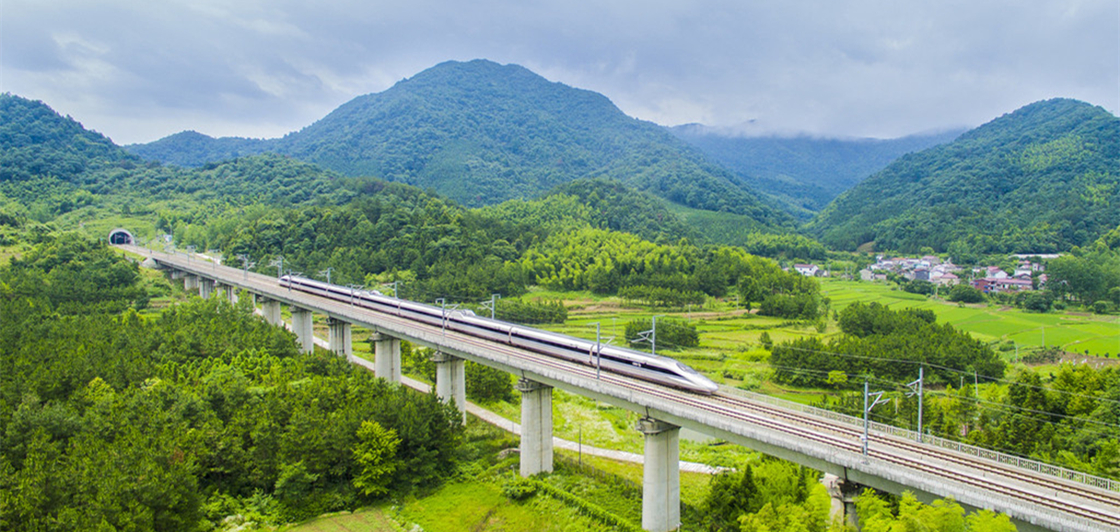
895,464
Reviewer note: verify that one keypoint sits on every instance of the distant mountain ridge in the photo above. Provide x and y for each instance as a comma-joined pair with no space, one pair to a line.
193,149
52,165
482,133
1043,178
804,173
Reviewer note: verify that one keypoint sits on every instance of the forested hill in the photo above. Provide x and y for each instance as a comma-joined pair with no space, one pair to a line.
481,133
803,173
50,165
192,149
1044,178
35,140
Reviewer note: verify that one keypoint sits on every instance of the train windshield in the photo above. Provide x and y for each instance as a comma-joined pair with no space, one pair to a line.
687,369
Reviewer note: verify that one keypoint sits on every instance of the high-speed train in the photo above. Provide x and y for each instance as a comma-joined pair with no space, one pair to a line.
659,369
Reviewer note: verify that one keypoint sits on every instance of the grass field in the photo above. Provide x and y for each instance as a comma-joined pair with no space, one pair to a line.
1072,331
477,503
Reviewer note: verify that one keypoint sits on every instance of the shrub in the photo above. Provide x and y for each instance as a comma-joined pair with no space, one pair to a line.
924,288
799,306
671,333
518,488
1035,301
963,293
531,312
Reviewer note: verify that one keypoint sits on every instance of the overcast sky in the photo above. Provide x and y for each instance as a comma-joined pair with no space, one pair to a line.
138,70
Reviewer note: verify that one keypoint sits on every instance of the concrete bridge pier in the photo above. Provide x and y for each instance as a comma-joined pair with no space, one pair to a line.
338,338
386,357
270,308
536,427
304,329
843,493
661,477
190,282
227,292
205,287
451,381
178,274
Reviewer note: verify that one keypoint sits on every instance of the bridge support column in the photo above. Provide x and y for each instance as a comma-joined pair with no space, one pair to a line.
536,427
205,287
843,493
661,478
178,274
271,310
386,357
226,292
304,329
339,338
190,282
451,381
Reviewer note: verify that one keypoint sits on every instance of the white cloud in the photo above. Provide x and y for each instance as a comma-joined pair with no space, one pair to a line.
139,70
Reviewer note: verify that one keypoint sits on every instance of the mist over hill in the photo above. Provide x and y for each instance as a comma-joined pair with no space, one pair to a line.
803,173
1044,178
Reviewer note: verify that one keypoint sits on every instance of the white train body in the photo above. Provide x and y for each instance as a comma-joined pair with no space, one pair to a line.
620,360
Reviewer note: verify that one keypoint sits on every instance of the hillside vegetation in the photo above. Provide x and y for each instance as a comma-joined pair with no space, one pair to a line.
803,173
1044,178
482,133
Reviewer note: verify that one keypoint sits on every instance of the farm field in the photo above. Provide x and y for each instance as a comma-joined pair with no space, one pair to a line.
1075,332
727,330
731,353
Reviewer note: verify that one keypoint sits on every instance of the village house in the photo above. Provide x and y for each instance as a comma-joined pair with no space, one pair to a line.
808,270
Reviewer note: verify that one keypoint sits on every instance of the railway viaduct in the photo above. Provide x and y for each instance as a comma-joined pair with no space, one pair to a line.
1036,496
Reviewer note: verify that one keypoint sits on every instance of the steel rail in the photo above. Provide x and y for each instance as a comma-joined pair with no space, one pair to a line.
770,416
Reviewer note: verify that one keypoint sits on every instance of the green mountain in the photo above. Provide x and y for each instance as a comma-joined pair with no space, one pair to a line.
802,173
482,133
192,149
37,141
51,165
1041,179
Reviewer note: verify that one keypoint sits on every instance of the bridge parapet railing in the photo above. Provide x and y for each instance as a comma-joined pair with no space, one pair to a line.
945,443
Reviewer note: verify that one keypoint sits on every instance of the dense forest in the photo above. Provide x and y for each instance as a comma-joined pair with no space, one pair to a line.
114,421
880,343
435,249
1041,179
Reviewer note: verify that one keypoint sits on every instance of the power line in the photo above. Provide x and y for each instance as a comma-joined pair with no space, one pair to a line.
949,369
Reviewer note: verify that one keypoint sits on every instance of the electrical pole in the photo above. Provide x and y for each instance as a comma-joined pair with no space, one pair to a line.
598,350
867,411
279,263
650,335
492,305
918,391
246,263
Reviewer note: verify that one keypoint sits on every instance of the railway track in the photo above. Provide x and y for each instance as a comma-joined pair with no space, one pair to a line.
1001,481
1041,490
1045,482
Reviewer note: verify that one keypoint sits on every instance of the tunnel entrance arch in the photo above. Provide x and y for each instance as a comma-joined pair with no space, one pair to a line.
121,236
